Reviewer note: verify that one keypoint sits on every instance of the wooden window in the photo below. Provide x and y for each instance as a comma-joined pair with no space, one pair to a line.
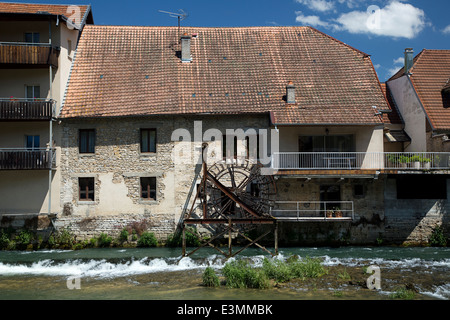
32,142
426,187
148,140
252,154
148,188
87,141
32,37
229,154
33,92
358,190
69,48
86,189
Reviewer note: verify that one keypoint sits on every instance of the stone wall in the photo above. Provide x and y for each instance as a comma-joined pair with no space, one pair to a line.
412,221
118,165
368,212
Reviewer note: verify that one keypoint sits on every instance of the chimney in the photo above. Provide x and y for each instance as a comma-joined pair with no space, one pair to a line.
409,59
290,92
186,48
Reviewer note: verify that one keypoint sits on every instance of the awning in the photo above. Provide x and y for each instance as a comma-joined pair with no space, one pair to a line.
397,136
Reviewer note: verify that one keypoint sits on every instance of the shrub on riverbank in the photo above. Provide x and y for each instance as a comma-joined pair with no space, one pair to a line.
147,239
437,238
240,274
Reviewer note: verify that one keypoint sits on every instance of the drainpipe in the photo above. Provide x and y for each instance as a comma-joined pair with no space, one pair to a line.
50,144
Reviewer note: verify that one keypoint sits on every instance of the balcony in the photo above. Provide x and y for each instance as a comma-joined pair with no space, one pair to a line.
24,159
12,109
13,54
313,211
375,161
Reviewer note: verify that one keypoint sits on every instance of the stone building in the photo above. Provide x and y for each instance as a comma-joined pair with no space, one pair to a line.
37,47
140,103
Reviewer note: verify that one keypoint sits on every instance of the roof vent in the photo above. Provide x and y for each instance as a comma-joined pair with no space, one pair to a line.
290,92
409,59
186,48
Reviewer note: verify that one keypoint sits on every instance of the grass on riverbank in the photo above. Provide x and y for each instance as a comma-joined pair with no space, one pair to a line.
240,274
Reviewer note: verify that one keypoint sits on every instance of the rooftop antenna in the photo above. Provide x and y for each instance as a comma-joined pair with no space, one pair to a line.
181,15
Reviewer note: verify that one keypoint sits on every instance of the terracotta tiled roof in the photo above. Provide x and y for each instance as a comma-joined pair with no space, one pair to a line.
447,85
430,73
123,71
394,116
33,8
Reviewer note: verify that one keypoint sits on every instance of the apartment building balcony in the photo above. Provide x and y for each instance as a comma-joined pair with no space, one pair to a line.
359,162
26,159
25,54
12,109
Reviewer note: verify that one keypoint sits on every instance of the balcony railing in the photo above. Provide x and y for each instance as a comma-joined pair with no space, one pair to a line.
25,53
297,211
361,161
24,159
26,109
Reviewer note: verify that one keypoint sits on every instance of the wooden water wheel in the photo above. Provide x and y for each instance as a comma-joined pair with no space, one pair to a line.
232,198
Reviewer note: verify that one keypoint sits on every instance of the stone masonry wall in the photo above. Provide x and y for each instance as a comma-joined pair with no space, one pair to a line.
118,165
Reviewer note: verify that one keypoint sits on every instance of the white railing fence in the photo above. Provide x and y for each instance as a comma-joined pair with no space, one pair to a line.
361,160
313,210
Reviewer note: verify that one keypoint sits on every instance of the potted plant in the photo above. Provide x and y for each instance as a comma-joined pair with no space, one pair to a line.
426,162
415,160
403,160
329,213
337,213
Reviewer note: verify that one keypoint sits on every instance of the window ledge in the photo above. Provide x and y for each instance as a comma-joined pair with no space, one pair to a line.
149,202
86,202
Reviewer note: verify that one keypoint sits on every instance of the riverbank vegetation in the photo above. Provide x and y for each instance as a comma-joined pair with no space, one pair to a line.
241,274
25,239
130,236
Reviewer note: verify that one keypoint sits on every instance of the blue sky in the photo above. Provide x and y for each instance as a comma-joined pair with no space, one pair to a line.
381,28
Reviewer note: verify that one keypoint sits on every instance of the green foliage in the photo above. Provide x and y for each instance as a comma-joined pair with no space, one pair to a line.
123,236
147,239
104,240
403,293
210,279
278,270
308,268
437,238
175,240
239,274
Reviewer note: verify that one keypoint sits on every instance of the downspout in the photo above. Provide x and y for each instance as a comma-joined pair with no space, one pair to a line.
50,144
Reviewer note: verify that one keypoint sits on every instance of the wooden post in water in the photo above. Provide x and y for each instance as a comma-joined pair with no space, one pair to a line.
183,240
276,237
229,238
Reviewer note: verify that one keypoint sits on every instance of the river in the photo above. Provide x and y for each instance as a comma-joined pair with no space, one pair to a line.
161,274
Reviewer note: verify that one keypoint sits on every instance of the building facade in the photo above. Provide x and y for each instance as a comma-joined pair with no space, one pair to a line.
37,47
139,104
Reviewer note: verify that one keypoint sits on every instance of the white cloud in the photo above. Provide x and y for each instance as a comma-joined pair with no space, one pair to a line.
398,63
351,3
446,30
396,19
317,5
314,21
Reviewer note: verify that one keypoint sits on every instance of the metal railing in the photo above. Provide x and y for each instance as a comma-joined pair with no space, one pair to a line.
26,109
27,159
361,160
313,210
